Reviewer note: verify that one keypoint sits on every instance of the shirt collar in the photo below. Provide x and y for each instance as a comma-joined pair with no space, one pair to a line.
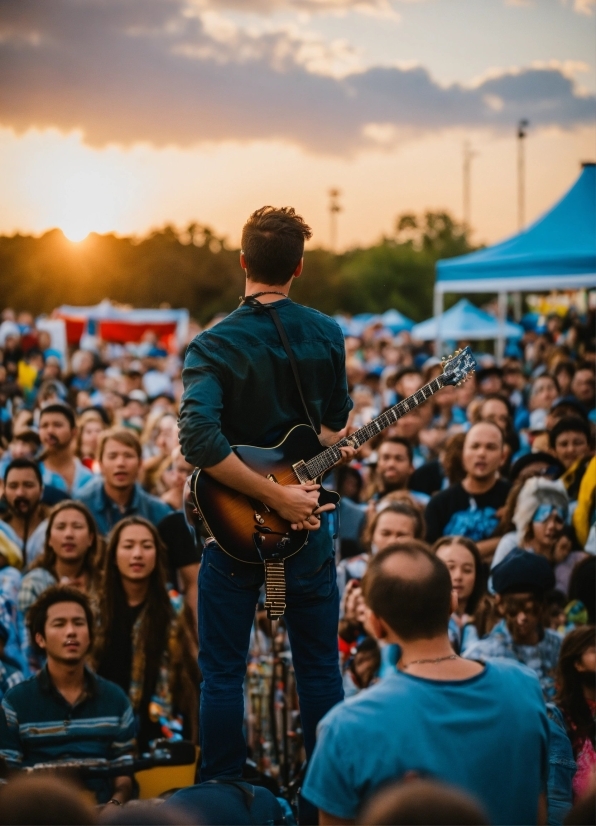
47,686
131,507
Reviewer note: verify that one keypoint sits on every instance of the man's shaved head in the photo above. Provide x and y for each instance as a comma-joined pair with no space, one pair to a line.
479,426
410,589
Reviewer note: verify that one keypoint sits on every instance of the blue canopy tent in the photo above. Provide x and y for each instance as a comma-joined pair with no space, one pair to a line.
464,321
558,251
396,321
392,320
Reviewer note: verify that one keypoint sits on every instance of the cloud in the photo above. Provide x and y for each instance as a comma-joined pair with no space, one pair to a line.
377,8
164,72
584,6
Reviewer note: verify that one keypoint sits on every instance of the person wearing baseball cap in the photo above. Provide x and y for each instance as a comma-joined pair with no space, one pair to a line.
521,583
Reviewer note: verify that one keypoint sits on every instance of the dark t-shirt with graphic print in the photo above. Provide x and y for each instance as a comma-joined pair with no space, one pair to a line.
455,512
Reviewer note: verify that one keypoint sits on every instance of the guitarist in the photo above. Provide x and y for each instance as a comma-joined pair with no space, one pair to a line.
239,388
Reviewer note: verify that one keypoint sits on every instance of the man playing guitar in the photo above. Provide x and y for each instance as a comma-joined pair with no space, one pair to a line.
239,388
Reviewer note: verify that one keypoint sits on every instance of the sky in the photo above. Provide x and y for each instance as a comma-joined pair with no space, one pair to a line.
124,115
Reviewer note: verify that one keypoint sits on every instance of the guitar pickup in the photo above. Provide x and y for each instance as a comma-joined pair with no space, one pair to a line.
272,478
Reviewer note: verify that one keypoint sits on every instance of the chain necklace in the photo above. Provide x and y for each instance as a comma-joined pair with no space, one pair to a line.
244,299
438,660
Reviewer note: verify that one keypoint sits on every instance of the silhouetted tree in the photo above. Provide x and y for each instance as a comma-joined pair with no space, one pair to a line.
195,269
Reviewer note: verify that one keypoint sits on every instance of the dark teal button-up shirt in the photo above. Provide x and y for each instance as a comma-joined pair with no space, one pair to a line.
239,387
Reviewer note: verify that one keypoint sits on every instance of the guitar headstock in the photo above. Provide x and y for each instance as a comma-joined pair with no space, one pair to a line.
458,367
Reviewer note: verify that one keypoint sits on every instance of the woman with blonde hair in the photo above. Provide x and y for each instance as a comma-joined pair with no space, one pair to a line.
90,427
144,641
159,440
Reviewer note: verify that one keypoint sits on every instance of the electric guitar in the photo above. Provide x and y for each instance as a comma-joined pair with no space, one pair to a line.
247,529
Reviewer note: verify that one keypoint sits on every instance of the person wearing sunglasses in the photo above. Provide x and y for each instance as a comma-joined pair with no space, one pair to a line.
540,515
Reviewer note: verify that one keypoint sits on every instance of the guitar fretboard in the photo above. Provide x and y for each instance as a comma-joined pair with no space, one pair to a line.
325,460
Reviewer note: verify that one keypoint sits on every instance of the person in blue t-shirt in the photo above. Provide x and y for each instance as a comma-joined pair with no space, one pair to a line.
482,728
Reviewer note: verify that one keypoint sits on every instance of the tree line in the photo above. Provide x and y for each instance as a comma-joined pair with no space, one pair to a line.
196,269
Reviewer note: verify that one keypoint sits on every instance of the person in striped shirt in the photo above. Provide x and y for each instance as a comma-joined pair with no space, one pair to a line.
66,712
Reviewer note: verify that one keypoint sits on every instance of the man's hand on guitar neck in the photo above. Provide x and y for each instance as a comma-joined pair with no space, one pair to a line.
329,437
296,503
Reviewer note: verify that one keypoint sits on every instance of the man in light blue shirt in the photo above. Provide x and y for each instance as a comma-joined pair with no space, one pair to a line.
117,494
481,728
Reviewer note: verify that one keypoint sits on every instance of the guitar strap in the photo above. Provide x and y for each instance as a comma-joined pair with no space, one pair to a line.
251,301
275,578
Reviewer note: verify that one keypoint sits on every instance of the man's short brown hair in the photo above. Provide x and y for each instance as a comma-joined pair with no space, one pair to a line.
413,608
273,244
121,435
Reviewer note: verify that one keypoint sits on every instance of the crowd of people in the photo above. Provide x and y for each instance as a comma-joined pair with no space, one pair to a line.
465,534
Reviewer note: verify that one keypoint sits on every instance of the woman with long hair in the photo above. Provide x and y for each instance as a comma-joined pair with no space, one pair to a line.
391,520
159,440
68,557
174,473
144,641
576,698
462,558
90,427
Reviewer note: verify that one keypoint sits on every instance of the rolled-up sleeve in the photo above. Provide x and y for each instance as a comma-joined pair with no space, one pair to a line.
340,403
201,440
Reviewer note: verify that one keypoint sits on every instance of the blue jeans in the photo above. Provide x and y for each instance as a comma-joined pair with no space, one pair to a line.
228,595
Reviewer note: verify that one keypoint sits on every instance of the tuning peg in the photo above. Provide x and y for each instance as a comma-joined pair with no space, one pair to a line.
457,352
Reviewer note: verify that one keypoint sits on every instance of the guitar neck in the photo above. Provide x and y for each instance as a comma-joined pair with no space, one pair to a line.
325,460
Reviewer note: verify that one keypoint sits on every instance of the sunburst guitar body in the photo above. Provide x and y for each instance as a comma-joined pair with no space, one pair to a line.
245,528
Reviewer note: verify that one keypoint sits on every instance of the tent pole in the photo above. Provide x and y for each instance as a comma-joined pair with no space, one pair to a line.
502,314
517,306
437,313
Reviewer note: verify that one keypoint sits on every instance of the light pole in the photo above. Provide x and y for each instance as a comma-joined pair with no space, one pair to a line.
334,208
469,154
521,173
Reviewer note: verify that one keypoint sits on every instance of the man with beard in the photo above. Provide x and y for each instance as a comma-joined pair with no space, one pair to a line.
26,514
61,468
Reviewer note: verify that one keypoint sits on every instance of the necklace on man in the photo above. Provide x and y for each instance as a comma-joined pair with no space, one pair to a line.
265,292
437,660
